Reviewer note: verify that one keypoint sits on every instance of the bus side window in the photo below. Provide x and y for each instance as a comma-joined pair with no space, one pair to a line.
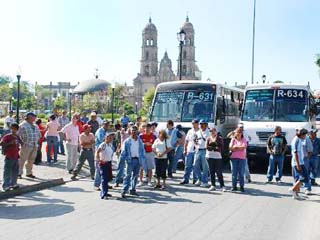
221,110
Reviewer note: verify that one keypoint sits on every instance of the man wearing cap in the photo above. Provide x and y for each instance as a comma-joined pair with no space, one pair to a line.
71,135
29,135
172,134
189,150
314,158
7,123
276,147
134,154
99,139
201,168
86,152
63,121
93,123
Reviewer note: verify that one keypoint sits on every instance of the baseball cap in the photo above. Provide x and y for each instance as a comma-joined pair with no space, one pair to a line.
195,121
302,131
30,114
93,114
313,130
203,121
106,122
86,126
179,127
240,125
110,134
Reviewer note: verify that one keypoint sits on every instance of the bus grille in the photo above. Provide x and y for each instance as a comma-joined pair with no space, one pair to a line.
263,136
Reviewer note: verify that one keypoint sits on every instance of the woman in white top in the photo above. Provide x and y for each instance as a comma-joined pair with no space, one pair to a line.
104,156
161,147
214,146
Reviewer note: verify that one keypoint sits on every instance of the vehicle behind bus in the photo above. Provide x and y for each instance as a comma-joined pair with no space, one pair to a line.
269,105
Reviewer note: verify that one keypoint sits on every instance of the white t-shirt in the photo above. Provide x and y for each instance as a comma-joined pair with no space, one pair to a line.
202,137
191,135
9,120
160,146
134,148
106,152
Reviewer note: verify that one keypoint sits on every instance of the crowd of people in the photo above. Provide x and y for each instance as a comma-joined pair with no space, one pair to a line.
147,156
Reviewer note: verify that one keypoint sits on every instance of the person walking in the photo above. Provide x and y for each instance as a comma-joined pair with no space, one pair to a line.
189,149
201,165
214,146
237,146
42,130
161,147
86,153
314,158
8,120
10,148
71,134
29,135
172,138
53,127
104,154
63,121
133,153
276,147
93,123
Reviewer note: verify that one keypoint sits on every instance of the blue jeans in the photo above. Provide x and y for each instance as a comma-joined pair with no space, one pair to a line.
52,143
307,184
273,159
178,155
189,159
61,146
238,169
302,175
97,175
103,172
314,165
131,178
201,168
10,173
120,171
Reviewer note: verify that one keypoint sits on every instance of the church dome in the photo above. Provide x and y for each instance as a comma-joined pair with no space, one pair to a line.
187,26
91,85
150,27
165,61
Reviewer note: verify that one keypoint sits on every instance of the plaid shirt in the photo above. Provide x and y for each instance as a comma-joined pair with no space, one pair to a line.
63,121
29,134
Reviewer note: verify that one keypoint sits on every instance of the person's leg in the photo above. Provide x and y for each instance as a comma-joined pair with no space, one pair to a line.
22,159
127,178
314,164
306,169
280,160
242,167
31,157
196,167
170,160
97,175
205,168
177,155
7,174
219,171
120,171
90,159
15,171
188,166
211,170
82,158
104,180
163,172
136,168
247,171
69,155
50,146
234,173
55,148
270,168
74,156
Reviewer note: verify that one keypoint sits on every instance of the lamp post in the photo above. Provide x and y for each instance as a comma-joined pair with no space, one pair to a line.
10,100
36,99
70,107
18,95
181,37
112,103
137,108
263,77
108,104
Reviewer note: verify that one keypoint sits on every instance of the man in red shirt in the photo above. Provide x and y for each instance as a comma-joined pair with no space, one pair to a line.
10,148
148,139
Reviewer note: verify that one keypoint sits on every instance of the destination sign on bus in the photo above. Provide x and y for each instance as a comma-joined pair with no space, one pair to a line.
291,94
169,97
260,95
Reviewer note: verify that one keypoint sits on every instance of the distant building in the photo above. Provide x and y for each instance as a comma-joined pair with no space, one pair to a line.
151,74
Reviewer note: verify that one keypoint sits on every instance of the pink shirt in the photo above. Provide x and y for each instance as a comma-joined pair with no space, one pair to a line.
239,154
72,134
53,127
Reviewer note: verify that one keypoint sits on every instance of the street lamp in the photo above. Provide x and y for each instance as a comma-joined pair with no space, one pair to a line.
137,108
18,95
112,102
263,77
181,37
10,100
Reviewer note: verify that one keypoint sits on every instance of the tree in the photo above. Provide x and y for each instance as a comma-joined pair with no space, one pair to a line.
147,102
128,108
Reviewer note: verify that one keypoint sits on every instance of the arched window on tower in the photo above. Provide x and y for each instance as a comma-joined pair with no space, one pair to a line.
151,42
184,70
147,42
146,70
147,55
184,54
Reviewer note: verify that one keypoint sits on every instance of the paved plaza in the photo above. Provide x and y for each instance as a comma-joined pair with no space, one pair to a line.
75,211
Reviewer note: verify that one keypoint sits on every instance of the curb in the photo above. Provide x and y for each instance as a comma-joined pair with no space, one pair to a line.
32,188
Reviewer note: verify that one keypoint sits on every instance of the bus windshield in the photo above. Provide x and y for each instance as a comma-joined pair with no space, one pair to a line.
283,105
183,106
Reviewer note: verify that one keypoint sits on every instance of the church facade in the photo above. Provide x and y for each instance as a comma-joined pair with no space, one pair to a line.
151,73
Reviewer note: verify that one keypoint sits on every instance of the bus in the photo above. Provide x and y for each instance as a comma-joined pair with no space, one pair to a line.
269,105
183,101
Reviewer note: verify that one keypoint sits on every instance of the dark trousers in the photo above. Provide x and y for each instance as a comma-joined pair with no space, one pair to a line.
85,154
104,173
61,147
171,161
10,173
215,167
161,167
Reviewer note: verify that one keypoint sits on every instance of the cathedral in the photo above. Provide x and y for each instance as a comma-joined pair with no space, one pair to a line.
151,73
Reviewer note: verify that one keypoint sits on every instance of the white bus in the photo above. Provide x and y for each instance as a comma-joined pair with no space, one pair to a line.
183,101
269,105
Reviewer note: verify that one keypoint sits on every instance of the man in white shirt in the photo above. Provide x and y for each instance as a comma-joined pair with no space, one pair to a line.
7,123
189,150
201,168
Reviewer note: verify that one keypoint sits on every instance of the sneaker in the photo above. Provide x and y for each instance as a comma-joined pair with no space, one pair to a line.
198,183
109,195
234,189
157,186
242,189
249,180
150,184
70,171
223,189
268,182
109,186
204,185
212,188
314,183
140,184
30,176
6,189
308,192
183,182
279,181
134,193
74,178
15,187
123,195
163,187
97,189
295,195
19,176
116,185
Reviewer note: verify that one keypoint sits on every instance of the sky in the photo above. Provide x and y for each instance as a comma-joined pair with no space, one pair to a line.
66,40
